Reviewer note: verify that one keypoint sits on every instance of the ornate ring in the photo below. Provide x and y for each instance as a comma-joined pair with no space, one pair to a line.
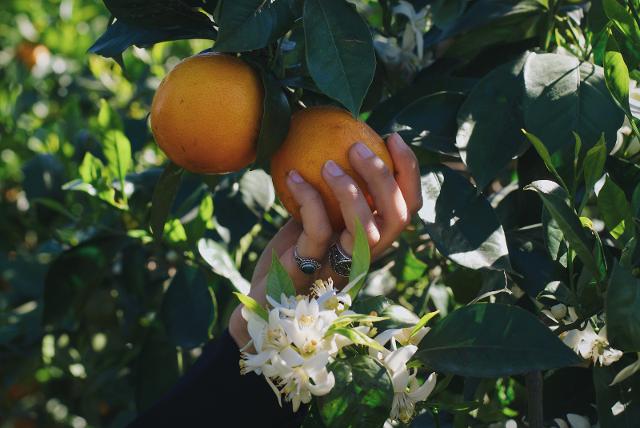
340,261
307,265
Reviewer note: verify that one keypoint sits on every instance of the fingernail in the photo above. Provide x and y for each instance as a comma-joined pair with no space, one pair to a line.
364,151
295,177
333,168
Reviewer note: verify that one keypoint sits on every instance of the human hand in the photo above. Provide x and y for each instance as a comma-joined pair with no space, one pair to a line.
396,198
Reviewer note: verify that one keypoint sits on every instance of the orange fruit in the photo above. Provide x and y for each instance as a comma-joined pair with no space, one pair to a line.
318,134
206,113
31,54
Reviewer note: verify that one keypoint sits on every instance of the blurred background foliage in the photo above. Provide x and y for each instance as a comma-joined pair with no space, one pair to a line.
97,320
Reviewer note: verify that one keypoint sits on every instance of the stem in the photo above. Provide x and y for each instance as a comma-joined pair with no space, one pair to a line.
551,22
534,392
634,11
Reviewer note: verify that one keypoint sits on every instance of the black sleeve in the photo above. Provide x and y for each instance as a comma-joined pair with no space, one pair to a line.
213,390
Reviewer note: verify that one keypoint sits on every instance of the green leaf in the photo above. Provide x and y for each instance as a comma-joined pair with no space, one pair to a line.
276,114
461,222
563,95
616,74
594,162
164,194
188,309
616,211
220,262
396,316
356,336
278,280
252,305
555,199
490,121
246,25
423,321
545,156
622,19
360,262
117,150
622,309
339,51
108,118
488,340
361,397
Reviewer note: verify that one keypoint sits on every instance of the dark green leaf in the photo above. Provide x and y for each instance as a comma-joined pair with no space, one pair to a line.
278,280
430,122
339,51
622,309
487,340
622,19
545,156
625,396
563,95
246,25
164,194
461,222
555,199
490,121
362,395
188,308
594,163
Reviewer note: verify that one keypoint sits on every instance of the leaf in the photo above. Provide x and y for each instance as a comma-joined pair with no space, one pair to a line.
594,162
356,336
117,150
188,309
626,372
616,211
396,316
624,396
545,156
554,199
622,19
430,121
423,322
360,260
488,340
156,368
461,222
278,280
252,305
220,262
362,394
489,122
563,95
164,193
616,74
120,35
246,25
622,309
276,115
339,51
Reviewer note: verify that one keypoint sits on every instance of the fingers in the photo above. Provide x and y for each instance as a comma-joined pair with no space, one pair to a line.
353,205
315,236
407,172
388,198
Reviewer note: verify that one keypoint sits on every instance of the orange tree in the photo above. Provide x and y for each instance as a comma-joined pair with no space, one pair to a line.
118,266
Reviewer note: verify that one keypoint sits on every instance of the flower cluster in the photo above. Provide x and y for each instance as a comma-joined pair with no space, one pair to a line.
584,341
300,336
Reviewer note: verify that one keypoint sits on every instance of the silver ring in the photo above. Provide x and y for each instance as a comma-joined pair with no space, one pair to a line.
340,261
307,265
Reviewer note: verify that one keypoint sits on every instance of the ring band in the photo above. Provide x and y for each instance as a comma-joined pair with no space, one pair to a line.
307,265
340,261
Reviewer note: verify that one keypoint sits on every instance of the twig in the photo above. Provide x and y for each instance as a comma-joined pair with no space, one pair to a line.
534,392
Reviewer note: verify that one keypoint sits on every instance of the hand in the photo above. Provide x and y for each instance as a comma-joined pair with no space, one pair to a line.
396,198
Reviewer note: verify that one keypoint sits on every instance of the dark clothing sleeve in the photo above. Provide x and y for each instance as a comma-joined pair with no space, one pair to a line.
213,393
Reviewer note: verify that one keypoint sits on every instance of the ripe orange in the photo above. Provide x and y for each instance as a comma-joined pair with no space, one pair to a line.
31,54
206,113
318,134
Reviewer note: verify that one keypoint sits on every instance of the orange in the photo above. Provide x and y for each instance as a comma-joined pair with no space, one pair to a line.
318,134
206,113
31,54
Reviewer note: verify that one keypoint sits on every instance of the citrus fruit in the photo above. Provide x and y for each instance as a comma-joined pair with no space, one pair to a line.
206,113
316,135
